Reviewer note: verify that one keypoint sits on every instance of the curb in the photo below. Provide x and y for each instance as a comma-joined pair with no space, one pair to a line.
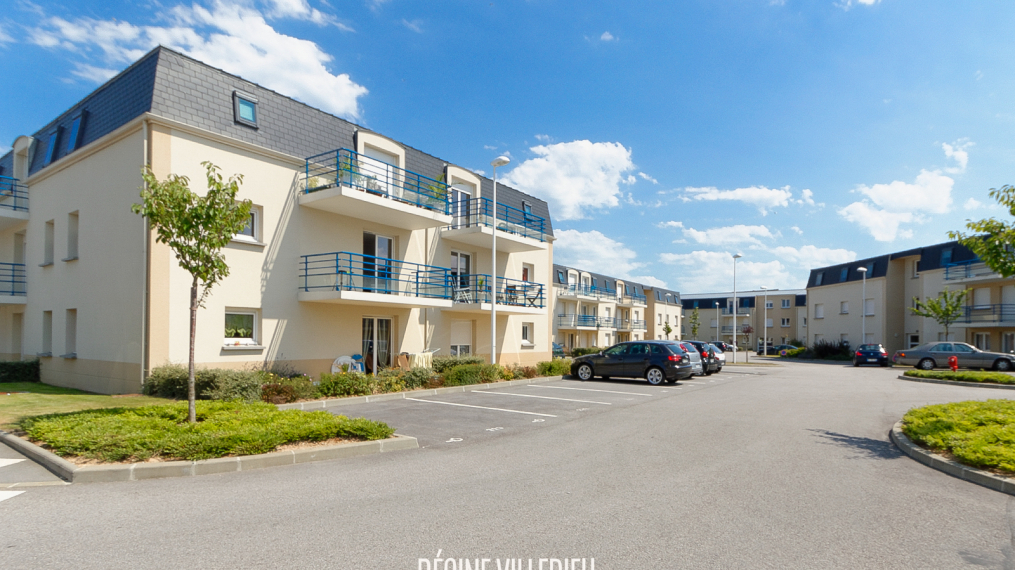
957,383
138,471
323,404
953,468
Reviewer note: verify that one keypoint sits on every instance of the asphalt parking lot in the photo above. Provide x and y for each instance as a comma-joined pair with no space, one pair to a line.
471,417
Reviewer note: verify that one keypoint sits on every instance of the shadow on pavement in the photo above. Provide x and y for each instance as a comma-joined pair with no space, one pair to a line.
867,447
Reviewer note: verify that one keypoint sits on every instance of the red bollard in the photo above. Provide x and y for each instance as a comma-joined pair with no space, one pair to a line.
953,362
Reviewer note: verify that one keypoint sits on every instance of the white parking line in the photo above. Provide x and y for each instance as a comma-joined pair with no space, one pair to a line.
6,462
4,495
481,407
688,382
540,397
591,390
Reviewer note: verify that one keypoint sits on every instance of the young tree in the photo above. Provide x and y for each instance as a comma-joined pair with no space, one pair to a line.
945,309
196,229
695,321
994,238
667,329
747,330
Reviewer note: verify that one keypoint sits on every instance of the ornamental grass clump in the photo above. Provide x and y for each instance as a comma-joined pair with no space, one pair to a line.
980,434
163,432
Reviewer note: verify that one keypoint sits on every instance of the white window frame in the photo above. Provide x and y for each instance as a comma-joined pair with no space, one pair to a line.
784,322
769,304
528,334
843,307
819,310
254,339
237,115
785,304
255,228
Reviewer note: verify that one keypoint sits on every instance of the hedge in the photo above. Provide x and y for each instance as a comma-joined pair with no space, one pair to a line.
19,371
963,376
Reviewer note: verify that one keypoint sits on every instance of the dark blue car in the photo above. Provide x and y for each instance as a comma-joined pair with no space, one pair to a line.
657,361
870,354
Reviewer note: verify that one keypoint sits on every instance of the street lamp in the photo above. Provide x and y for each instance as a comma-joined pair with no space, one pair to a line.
718,323
499,161
764,325
736,256
863,306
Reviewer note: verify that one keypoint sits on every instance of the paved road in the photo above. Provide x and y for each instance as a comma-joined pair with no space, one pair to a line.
790,468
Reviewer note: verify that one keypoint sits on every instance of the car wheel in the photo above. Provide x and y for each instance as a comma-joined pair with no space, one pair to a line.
708,372
655,376
1002,365
925,364
719,370
855,363
585,372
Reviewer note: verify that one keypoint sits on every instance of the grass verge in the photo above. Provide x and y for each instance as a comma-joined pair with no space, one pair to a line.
162,431
980,434
964,376
34,398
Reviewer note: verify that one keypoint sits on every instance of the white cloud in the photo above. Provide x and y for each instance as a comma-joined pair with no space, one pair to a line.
881,224
762,198
810,256
93,74
972,204
729,235
4,36
607,37
301,10
595,252
413,25
847,4
647,177
229,34
797,230
488,147
649,280
574,177
670,224
694,276
544,138
957,151
807,198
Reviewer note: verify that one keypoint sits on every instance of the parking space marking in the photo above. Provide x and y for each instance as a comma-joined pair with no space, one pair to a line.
689,382
481,407
592,390
6,462
540,397
4,495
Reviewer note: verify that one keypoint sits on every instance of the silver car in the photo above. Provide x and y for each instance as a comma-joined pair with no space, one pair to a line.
935,355
695,356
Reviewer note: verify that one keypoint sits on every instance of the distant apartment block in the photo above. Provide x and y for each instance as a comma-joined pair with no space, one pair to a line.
784,320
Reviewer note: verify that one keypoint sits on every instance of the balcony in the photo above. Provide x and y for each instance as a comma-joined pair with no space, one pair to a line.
473,222
740,312
631,300
986,316
348,183
471,294
583,322
972,270
630,325
574,291
13,202
12,284
357,279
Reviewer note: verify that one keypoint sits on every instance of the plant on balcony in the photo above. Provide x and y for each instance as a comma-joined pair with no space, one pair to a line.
695,321
992,239
946,308
196,228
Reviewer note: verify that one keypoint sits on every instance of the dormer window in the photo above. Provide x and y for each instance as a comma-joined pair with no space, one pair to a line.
843,274
54,137
245,109
74,137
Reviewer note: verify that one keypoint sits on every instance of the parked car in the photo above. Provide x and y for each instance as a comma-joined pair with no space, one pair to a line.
723,346
558,350
696,367
935,355
720,355
709,361
780,347
655,360
870,354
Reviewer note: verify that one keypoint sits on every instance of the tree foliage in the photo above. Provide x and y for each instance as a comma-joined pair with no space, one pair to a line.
946,308
196,228
667,329
695,321
992,239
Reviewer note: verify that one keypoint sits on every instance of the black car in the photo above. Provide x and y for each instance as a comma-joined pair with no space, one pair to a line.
709,361
870,354
655,360
723,346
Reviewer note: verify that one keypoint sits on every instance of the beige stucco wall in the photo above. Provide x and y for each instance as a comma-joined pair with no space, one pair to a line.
834,324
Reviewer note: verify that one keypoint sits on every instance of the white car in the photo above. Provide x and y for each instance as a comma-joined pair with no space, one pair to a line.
720,355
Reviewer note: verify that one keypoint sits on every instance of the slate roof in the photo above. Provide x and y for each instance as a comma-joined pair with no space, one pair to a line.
171,85
930,258
601,281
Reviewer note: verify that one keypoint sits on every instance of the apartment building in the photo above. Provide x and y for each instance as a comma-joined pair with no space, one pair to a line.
591,309
838,307
357,243
781,313
664,309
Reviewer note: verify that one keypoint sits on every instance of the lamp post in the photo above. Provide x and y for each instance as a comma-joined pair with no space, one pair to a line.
736,256
863,306
718,323
764,325
499,161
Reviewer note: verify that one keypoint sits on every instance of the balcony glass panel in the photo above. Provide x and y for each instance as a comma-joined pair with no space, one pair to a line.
985,314
479,212
968,270
475,288
345,271
13,194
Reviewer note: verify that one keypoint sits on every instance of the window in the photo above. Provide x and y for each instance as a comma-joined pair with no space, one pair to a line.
695,304
981,298
785,303
819,278
769,304
714,323
251,233
659,295
844,339
768,323
528,272
844,274
1007,342
660,319
47,258
71,335
594,283
946,256
818,338
74,137
915,269
916,302
72,237
914,340
47,333
870,269
784,322
868,307
527,338
819,311
844,308
981,340
560,277
805,321
54,138
245,109
461,264
241,328
527,209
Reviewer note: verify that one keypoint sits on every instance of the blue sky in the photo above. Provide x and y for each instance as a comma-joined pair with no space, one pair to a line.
665,135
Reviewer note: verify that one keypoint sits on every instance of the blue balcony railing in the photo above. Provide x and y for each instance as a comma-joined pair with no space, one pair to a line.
571,321
479,212
344,271
574,289
984,314
370,175
12,279
632,299
13,194
475,288
967,270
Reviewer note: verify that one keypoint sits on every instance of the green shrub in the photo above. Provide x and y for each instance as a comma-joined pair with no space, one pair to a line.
555,367
281,390
170,381
964,376
797,343
273,393
344,384
976,433
442,364
223,429
242,385
795,353
417,378
20,371
388,380
838,350
576,352
472,374
529,372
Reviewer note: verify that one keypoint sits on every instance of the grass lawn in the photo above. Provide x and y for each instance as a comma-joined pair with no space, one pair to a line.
162,431
45,399
981,434
964,376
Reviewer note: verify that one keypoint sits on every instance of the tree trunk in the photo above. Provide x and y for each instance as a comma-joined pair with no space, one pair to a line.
191,396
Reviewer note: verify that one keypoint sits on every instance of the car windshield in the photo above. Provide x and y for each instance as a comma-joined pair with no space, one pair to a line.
874,347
